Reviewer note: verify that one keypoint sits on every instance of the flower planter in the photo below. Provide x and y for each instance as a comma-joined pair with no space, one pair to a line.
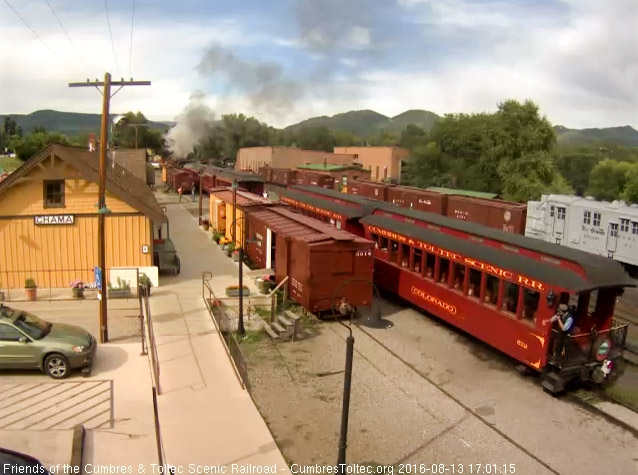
236,257
32,293
119,293
78,292
237,293
206,226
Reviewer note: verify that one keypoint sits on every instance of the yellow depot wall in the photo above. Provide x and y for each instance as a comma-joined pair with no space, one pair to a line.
55,255
239,224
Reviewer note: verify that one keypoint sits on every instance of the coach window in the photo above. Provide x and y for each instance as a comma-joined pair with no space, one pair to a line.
634,227
560,213
417,261
491,290
458,277
531,300
474,286
383,244
375,238
624,225
551,211
404,258
430,261
510,298
444,271
394,250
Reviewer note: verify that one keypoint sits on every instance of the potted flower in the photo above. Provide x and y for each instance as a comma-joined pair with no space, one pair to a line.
230,248
206,224
123,289
145,282
217,236
235,291
77,286
31,288
236,256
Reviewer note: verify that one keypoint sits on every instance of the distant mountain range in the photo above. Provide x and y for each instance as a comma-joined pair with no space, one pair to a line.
67,123
363,123
367,122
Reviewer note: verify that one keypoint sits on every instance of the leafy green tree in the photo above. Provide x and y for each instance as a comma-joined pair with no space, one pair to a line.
385,138
576,166
27,146
315,138
607,180
133,131
630,193
242,131
413,136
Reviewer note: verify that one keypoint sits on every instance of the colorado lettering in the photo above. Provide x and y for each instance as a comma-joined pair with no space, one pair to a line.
433,300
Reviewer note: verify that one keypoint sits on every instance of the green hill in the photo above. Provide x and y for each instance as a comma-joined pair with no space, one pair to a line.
368,122
67,123
626,136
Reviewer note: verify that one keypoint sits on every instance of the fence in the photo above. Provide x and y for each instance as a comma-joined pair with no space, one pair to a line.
231,345
146,318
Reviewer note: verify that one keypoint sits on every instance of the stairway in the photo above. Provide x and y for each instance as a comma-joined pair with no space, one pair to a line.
285,327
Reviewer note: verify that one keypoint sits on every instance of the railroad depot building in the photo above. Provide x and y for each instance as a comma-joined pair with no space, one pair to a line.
49,220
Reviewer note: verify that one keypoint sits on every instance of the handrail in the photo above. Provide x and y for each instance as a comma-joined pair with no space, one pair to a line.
277,288
205,283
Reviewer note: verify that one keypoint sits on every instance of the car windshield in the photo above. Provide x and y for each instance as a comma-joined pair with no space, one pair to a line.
32,325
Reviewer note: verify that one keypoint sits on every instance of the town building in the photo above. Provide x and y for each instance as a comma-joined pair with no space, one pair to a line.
49,220
384,163
254,158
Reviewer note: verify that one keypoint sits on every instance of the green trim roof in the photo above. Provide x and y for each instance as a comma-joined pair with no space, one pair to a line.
330,167
453,191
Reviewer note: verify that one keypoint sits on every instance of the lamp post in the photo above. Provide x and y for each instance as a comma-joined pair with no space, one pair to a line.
346,309
240,325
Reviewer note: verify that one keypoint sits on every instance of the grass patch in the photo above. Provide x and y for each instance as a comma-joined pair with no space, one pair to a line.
263,313
251,337
627,396
8,164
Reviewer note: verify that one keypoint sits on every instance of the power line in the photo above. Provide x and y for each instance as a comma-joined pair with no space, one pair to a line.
67,36
32,30
130,53
111,35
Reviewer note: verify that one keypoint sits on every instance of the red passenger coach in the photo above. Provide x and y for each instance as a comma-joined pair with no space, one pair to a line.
317,258
504,289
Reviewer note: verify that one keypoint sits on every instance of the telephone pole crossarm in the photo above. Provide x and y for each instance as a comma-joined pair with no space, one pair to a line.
113,83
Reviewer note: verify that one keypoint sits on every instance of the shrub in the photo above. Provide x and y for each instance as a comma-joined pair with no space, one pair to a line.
30,283
145,281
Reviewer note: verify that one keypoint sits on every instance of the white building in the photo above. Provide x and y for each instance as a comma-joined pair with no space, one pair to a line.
599,227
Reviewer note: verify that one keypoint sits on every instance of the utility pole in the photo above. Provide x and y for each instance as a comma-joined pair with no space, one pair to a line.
102,209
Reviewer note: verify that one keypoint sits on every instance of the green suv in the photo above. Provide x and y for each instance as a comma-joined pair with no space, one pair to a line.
55,348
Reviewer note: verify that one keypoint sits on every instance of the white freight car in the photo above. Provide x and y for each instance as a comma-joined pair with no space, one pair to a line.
599,227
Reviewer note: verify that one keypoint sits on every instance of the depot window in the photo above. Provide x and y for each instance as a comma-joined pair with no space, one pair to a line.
444,271
54,194
531,300
510,298
430,261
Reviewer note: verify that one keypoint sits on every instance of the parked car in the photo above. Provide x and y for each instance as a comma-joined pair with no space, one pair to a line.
55,348
15,462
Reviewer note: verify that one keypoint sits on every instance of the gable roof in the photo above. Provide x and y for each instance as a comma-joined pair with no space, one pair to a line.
132,160
120,182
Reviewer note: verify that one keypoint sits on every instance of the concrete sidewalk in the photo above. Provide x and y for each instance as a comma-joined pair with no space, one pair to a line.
206,417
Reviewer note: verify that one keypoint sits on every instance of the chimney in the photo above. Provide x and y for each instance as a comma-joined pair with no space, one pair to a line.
92,143
325,162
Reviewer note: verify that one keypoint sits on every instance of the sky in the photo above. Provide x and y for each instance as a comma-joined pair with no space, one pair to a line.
283,61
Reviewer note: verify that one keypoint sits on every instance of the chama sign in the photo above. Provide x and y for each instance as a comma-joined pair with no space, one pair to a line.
55,219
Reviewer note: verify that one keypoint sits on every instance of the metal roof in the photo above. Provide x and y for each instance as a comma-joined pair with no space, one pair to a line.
120,182
453,191
590,203
244,198
327,204
231,174
356,199
299,227
330,167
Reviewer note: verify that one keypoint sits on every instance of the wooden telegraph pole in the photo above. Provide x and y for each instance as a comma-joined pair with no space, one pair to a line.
102,209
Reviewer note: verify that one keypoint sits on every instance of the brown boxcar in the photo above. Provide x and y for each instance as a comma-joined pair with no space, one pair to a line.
317,258
284,176
266,174
217,176
504,215
418,198
315,179
369,189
